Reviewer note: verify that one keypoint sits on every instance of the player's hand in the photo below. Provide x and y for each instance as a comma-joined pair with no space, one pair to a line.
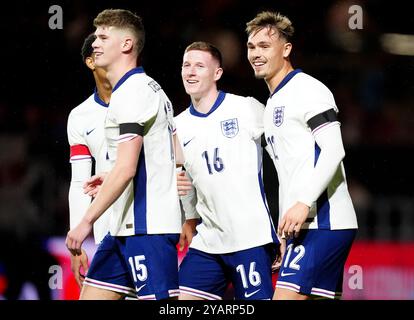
77,263
93,185
293,220
183,184
279,256
187,232
76,236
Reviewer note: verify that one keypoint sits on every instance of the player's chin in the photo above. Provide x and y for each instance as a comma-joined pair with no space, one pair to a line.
100,63
190,90
259,75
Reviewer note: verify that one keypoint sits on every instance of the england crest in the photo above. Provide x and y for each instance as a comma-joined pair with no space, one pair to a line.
278,116
230,128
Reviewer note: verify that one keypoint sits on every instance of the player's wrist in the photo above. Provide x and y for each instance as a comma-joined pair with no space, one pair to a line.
88,219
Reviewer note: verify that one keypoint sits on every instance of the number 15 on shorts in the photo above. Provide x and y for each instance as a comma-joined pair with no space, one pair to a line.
139,269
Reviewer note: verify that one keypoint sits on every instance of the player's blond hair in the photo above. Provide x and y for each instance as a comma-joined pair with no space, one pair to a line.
123,19
272,20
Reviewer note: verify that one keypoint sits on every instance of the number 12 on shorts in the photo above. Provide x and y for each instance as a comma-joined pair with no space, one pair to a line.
300,250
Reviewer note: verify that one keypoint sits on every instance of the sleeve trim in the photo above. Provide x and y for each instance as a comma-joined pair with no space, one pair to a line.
126,137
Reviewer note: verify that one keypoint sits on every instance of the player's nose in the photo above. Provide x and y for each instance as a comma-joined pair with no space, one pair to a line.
95,44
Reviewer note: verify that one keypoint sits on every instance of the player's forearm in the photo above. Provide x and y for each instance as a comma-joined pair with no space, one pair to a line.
78,203
189,202
114,185
117,180
78,200
330,157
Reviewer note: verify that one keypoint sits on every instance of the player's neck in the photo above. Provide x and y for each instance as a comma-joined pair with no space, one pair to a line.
274,81
118,69
204,103
104,90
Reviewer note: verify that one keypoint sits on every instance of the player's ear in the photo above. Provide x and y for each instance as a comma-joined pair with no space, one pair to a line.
90,63
218,74
287,48
127,44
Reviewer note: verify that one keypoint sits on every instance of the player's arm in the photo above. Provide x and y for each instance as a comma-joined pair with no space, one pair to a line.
78,204
255,118
327,133
189,202
80,172
116,181
326,130
81,168
188,197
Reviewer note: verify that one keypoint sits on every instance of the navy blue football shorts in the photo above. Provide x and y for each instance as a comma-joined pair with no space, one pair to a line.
142,266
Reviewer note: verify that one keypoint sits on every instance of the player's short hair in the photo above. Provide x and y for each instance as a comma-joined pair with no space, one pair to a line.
273,20
87,49
123,19
207,47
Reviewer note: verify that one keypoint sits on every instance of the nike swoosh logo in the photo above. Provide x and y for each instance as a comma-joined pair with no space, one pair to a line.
139,289
248,295
185,143
282,274
89,132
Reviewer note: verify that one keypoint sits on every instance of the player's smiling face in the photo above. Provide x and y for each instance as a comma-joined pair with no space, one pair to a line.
107,45
266,52
200,72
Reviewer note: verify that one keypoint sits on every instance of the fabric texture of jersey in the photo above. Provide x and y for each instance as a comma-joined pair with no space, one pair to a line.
223,155
313,263
144,266
293,149
86,137
149,204
249,271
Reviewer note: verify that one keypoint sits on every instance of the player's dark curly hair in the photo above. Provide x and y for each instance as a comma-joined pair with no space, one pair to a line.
87,49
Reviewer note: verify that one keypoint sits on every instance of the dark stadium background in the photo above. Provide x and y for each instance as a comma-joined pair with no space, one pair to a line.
370,72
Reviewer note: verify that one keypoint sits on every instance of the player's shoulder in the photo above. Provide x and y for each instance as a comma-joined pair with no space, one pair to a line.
309,83
82,108
245,102
182,115
145,83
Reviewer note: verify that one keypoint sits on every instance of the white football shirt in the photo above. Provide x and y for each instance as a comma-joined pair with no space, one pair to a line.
86,137
298,99
150,203
223,155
